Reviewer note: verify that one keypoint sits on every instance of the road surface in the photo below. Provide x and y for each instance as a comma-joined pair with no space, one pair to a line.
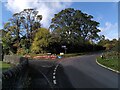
83,72
76,72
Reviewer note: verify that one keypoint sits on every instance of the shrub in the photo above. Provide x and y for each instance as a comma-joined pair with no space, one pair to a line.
21,51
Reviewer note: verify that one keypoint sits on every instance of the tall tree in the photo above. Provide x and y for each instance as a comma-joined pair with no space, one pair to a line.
41,41
31,22
73,26
21,28
8,43
15,23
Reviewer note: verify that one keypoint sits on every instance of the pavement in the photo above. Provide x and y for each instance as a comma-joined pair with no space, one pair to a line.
75,72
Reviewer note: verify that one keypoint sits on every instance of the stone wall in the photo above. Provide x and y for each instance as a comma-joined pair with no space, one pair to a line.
12,59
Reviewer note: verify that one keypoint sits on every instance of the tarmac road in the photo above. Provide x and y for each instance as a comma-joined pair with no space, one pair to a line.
83,72
75,72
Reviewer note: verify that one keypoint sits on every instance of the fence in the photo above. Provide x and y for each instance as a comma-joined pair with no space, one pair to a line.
15,77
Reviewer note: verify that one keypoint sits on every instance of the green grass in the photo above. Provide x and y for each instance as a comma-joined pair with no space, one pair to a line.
112,62
4,66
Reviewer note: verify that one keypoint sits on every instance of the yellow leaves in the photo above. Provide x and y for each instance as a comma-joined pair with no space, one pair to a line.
16,44
8,34
21,51
41,40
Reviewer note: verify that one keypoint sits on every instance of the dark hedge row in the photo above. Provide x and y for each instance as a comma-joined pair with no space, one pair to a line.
56,48
15,77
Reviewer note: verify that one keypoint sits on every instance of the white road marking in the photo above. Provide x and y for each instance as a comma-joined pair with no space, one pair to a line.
53,77
54,81
54,73
54,70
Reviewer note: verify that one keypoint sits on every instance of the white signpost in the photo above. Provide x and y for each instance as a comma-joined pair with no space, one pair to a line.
64,48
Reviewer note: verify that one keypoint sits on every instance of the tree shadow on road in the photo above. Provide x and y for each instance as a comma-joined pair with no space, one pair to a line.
62,79
37,79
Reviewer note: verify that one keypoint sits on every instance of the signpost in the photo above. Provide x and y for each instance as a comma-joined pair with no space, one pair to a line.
64,48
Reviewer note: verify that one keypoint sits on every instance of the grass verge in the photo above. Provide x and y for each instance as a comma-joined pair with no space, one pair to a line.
4,66
73,54
112,63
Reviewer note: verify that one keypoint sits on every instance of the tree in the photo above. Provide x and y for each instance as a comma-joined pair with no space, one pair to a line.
20,29
11,36
30,22
15,22
41,41
74,29
8,43
73,26
109,44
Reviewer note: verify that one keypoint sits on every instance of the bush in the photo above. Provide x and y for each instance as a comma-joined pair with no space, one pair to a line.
21,51
111,54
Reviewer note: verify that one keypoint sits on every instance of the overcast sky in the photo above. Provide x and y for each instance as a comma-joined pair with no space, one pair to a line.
104,12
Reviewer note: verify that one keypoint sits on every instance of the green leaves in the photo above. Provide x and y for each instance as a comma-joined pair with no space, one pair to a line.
20,30
69,27
73,25
41,41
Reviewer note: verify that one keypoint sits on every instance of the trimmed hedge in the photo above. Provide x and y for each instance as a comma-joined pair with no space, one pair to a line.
15,77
